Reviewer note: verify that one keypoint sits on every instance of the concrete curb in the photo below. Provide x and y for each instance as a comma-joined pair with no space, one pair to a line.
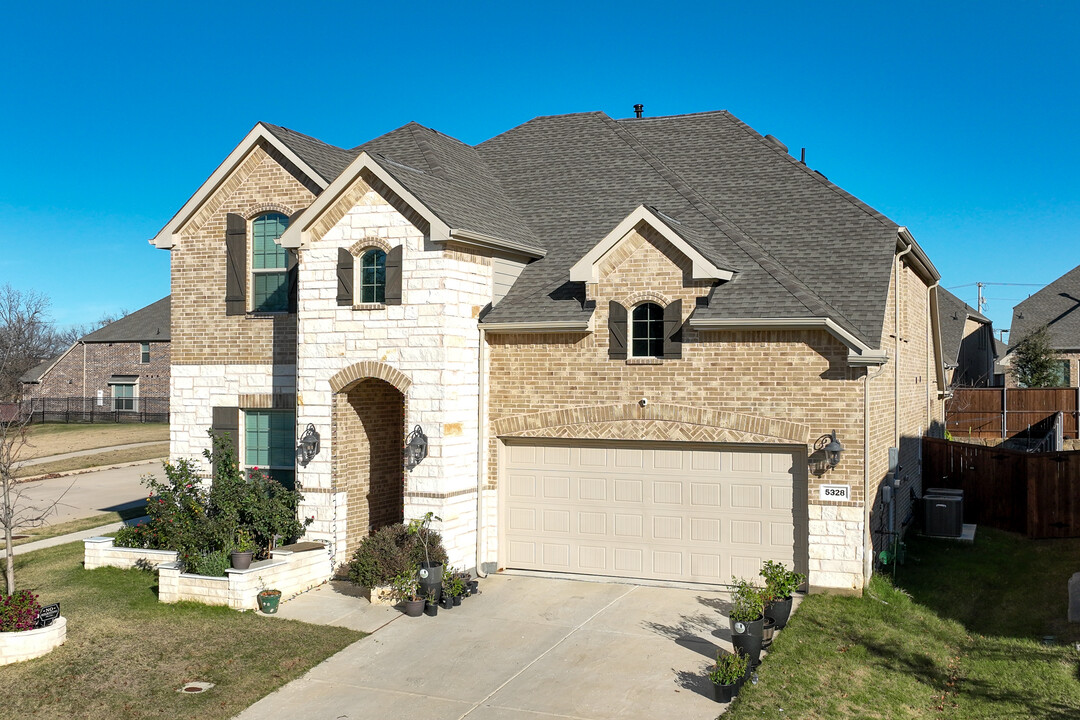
83,471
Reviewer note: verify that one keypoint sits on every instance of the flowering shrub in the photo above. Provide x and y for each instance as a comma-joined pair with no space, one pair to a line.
200,523
19,611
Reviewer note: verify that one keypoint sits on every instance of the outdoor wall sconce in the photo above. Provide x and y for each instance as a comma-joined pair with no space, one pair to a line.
831,447
415,448
309,444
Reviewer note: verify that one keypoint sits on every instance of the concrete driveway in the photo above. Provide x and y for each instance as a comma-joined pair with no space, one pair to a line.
526,648
89,493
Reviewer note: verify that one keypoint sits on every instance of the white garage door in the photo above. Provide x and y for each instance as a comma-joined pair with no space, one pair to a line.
663,511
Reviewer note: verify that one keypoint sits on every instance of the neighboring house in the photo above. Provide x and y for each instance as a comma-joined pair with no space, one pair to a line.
1057,306
1001,363
116,367
626,342
967,343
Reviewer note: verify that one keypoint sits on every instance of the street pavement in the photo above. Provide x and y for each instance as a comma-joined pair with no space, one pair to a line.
90,493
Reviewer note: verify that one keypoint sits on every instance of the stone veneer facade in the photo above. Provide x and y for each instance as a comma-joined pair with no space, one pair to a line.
785,387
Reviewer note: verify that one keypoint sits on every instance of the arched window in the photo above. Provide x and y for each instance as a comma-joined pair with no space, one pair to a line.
647,331
269,264
373,276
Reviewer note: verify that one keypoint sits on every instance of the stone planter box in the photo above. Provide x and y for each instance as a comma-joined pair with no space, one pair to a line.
99,552
28,644
380,595
291,569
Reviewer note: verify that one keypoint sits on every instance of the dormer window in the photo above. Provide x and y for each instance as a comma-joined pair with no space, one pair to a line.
647,331
373,276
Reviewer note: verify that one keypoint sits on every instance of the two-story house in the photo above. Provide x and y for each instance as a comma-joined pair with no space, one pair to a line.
625,346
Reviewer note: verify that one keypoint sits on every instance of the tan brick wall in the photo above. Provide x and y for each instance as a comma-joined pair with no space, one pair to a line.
201,332
88,367
368,435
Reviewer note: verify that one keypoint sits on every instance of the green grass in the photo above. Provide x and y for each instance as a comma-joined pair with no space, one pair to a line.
956,635
56,438
72,526
126,653
84,462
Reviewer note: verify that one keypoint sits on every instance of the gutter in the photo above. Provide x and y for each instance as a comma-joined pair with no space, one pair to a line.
868,561
481,447
896,330
539,327
489,242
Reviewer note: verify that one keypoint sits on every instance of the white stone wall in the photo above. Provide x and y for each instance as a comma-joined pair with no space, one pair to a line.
432,338
99,552
836,548
197,389
29,644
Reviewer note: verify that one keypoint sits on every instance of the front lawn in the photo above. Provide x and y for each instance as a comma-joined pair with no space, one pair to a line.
127,654
57,438
957,634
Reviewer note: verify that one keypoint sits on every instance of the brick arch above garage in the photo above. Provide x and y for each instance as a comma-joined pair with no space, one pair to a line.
659,422
353,374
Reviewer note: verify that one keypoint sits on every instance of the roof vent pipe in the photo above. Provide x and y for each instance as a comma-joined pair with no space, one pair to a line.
639,109
802,159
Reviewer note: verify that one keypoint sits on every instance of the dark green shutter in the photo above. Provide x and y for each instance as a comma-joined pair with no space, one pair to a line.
236,264
344,277
673,330
616,331
392,296
293,267
226,422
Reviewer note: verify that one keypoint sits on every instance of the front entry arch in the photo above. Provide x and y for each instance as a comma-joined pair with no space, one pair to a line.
369,430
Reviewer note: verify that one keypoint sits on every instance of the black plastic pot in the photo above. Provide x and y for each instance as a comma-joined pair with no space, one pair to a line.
767,630
457,599
414,608
746,637
725,693
430,576
446,602
780,611
474,586
431,609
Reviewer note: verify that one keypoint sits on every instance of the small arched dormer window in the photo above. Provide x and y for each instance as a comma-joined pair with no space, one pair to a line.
647,331
373,276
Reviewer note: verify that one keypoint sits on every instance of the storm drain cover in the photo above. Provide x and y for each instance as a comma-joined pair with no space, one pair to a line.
193,688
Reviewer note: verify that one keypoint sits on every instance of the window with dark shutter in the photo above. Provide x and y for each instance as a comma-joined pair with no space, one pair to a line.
235,264
616,331
344,277
226,423
647,331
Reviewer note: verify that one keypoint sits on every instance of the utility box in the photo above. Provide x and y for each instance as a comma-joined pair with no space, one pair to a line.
943,515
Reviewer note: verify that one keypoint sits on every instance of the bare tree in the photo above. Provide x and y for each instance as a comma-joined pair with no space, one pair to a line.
27,336
71,334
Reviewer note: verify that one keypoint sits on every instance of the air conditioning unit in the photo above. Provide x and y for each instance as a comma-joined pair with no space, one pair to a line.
943,515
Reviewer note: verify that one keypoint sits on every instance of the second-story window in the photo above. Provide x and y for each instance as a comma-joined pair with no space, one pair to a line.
373,276
647,331
269,264
144,353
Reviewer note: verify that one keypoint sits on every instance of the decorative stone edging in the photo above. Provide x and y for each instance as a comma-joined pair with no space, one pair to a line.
29,644
100,552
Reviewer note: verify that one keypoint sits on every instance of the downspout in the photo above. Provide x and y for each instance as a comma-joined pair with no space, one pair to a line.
868,564
896,370
481,447
930,350
83,374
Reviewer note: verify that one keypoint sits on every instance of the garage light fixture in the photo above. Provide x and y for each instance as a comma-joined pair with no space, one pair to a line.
415,448
831,447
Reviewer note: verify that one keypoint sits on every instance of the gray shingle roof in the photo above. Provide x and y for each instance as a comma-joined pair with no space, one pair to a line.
34,374
150,324
801,246
952,316
1058,307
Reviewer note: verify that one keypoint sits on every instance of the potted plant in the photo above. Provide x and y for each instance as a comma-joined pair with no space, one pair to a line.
243,550
780,583
727,675
747,618
430,573
268,601
446,597
431,606
407,590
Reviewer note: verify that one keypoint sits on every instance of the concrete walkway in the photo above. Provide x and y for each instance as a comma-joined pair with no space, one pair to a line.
526,648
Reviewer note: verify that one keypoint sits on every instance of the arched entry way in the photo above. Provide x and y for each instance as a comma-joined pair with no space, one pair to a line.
369,430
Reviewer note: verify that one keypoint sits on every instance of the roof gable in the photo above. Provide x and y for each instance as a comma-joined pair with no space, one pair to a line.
1057,306
149,324
587,268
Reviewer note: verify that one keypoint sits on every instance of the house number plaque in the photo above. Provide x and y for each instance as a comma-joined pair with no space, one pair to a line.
835,493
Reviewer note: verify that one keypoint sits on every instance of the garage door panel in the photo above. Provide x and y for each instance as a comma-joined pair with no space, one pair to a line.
663,512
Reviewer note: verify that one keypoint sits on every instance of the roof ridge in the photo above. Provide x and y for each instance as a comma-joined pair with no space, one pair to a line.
428,151
1048,286
787,279
532,120
816,175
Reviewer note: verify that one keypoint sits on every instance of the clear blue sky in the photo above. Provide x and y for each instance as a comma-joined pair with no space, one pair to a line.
958,120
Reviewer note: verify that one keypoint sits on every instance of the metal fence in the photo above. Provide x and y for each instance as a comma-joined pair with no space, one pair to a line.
96,410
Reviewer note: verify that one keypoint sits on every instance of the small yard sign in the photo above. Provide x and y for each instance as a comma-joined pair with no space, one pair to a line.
835,493
47,615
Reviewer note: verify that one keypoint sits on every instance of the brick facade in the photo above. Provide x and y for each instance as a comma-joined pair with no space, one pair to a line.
86,369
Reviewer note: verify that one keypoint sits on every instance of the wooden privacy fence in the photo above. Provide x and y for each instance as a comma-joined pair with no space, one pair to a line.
1037,494
1009,412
